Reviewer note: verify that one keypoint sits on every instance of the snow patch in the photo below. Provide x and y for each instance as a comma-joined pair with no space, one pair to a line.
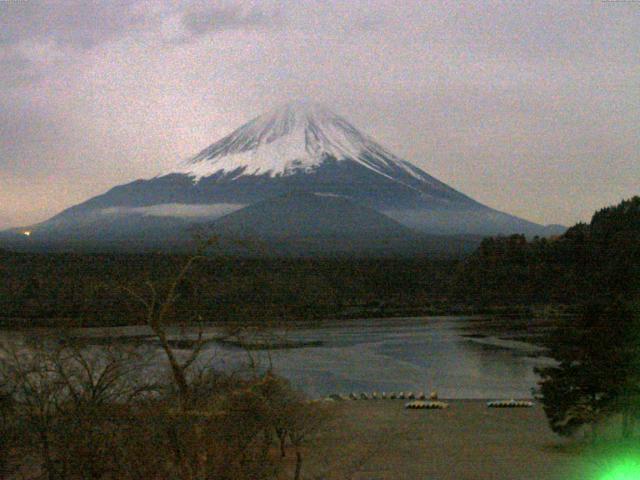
297,137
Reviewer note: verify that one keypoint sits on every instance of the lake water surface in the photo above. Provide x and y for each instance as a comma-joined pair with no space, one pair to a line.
459,357
446,354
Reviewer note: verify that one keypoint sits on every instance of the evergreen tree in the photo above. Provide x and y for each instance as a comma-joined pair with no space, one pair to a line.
598,369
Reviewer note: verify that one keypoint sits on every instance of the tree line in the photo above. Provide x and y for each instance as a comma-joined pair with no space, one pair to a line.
599,258
86,289
597,375
71,410
594,270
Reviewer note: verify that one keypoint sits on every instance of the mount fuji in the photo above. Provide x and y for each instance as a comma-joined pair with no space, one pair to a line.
301,148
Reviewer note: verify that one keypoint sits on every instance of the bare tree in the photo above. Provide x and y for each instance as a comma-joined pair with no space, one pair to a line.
306,419
38,395
158,309
227,435
66,396
6,427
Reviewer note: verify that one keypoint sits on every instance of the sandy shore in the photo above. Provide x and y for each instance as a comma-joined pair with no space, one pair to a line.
468,441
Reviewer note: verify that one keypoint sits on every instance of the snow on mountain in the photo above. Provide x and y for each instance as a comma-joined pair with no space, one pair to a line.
298,147
296,137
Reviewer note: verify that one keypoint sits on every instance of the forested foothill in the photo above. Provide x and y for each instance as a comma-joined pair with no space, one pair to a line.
83,289
600,259
597,350
593,272
68,413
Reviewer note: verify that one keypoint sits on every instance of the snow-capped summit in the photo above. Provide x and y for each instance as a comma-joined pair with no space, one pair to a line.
299,147
295,137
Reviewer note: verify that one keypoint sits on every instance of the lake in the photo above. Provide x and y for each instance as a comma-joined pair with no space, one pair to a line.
456,356
459,357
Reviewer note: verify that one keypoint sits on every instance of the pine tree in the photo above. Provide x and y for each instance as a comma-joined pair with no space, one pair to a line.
598,369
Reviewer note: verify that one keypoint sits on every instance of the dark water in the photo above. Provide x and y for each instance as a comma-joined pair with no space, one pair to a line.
446,354
456,356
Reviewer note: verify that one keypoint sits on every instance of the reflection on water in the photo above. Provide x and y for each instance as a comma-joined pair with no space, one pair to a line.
458,357
400,355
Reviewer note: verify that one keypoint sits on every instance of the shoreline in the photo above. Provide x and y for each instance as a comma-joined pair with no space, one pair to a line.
496,332
398,401
515,311
467,441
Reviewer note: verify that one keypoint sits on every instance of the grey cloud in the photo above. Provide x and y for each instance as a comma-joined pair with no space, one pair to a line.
229,17
26,132
37,35
6,222
76,22
14,61
85,24
538,97
16,70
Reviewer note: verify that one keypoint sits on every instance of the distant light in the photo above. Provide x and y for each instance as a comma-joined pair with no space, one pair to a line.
27,233
625,469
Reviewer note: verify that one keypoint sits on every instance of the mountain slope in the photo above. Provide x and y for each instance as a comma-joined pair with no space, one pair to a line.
301,146
299,138
302,223
303,214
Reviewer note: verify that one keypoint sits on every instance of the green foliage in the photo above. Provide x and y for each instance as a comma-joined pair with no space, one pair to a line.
6,425
84,289
601,258
598,353
598,370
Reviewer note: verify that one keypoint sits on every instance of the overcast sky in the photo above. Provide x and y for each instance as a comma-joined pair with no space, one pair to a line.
529,107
